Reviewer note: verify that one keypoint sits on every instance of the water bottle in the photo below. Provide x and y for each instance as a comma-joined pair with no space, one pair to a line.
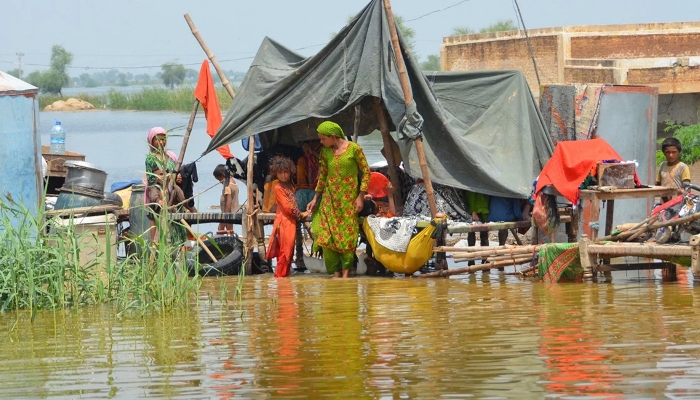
58,139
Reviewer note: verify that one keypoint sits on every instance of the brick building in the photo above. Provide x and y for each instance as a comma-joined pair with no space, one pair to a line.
665,55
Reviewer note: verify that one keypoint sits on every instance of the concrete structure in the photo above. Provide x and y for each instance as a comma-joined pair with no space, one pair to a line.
663,55
20,145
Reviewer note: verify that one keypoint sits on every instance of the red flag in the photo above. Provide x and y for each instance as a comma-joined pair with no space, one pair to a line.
206,94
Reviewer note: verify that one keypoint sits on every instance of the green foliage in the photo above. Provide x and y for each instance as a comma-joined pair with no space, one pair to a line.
49,265
499,26
173,74
87,80
431,64
689,137
56,78
462,30
122,80
60,59
153,98
117,100
409,35
34,78
14,72
53,81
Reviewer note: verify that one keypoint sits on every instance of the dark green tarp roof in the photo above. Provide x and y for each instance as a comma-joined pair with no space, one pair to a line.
482,131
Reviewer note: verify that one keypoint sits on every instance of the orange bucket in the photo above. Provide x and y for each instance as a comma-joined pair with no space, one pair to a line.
377,185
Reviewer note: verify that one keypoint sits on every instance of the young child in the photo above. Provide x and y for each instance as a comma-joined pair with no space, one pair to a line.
284,228
672,172
229,194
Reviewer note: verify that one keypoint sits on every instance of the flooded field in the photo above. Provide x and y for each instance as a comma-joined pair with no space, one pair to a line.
475,336
481,336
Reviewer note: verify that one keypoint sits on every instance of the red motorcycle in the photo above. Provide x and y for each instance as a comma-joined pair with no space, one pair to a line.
678,207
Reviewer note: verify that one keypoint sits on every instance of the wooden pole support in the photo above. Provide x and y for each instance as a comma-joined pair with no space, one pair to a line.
201,243
388,150
210,56
185,141
695,257
475,268
408,99
585,257
251,220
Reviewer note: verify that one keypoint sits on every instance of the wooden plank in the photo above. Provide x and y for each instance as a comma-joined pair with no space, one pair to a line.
617,194
639,250
83,210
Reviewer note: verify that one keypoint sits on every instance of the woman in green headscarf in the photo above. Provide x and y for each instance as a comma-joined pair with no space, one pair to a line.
342,184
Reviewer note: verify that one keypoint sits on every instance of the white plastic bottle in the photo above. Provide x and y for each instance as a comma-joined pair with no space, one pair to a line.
58,139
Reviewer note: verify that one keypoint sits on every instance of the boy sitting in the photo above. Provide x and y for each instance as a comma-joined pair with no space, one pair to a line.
672,172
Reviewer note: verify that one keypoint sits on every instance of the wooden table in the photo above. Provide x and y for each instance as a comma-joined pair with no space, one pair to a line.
610,194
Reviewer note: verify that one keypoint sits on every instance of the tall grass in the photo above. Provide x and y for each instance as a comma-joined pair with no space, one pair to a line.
45,265
147,99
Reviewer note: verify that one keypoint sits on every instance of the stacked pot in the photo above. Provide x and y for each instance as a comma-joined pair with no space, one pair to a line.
84,186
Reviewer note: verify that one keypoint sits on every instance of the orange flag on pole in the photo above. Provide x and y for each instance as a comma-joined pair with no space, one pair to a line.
206,94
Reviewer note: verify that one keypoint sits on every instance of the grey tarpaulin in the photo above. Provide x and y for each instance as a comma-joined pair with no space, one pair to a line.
482,131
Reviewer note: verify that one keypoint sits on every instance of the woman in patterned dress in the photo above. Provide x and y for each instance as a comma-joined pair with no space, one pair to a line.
159,159
342,185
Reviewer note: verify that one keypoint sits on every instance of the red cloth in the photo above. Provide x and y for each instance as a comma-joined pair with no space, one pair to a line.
206,94
571,163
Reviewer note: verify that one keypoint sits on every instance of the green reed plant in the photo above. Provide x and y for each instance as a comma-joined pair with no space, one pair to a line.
117,100
154,98
47,265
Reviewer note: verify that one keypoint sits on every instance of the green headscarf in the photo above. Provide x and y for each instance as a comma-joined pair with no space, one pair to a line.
330,128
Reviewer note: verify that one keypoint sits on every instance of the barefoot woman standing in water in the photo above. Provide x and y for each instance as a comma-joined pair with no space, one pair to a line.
342,184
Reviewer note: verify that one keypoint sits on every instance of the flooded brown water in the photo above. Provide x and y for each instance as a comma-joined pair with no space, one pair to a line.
490,336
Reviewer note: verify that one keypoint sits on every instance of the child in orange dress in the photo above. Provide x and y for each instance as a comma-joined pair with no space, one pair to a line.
284,228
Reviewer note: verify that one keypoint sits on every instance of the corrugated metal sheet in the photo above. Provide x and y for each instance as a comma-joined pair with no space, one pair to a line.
20,145
10,85
627,121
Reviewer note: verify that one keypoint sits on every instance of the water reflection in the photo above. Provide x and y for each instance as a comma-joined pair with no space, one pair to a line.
486,336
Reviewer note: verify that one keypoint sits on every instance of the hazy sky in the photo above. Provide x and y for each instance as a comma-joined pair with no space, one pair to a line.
130,33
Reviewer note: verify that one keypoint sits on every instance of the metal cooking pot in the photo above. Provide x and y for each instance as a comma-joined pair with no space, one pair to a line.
84,175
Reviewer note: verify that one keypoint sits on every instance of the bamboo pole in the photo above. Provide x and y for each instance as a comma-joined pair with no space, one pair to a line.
250,227
196,236
451,249
388,151
185,141
522,271
466,270
640,250
250,211
651,227
356,123
487,253
188,131
211,56
519,259
408,98
628,232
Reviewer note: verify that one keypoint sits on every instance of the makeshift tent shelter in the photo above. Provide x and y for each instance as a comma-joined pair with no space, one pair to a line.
482,131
